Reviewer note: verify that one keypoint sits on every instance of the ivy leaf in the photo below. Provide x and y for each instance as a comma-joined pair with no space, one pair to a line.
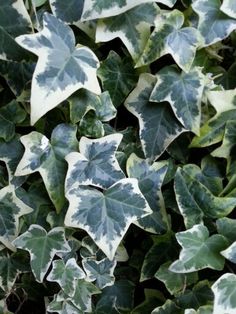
61,304
42,247
230,252
69,12
165,39
158,125
132,27
153,298
100,271
206,309
95,164
229,8
66,275
150,179
106,216
168,308
48,159
118,77
11,209
225,294
213,24
57,76
199,251
196,201
184,93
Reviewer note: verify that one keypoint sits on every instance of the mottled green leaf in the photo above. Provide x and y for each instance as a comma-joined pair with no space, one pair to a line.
118,77
184,93
229,8
42,247
132,27
225,294
168,308
150,179
227,226
62,304
166,37
95,164
157,123
199,250
57,76
69,11
100,271
213,24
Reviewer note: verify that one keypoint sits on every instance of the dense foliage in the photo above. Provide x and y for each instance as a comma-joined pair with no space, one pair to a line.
117,156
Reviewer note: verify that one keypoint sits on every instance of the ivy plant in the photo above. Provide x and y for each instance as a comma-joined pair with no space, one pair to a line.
117,156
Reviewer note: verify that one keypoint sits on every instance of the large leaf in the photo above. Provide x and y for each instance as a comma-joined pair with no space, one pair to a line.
42,247
213,24
225,294
132,27
95,164
57,76
106,216
118,77
48,159
184,93
150,179
158,125
166,37
199,250
229,8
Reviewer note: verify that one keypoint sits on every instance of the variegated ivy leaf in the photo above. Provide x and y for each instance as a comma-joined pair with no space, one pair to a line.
199,250
184,93
69,11
96,163
118,77
225,294
14,20
166,37
195,200
157,123
48,159
106,216
213,24
62,304
66,275
168,308
150,179
11,209
229,8
100,271
58,75
42,247
230,252
132,27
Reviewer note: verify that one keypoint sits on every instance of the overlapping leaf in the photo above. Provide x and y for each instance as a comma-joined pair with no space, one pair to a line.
42,247
168,308
106,216
69,11
229,8
157,123
56,75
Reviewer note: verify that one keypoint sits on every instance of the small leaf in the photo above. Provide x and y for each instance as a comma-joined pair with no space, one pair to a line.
229,8
95,164
227,226
57,76
158,125
42,247
168,308
213,24
61,304
230,252
225,294
69,12
199,251
106,216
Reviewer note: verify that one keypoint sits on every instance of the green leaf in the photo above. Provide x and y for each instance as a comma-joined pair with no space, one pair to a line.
42,247
230,252
150,179
229,8
106,216
57,76
213,24
48,159
199,251
195,200
69,12
168,308
225,294
95,164
158,125
61,304
206,309
66,275
184,93
132,27
226,226
100,271
153,298
175,282
166,37
11,209
118,77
